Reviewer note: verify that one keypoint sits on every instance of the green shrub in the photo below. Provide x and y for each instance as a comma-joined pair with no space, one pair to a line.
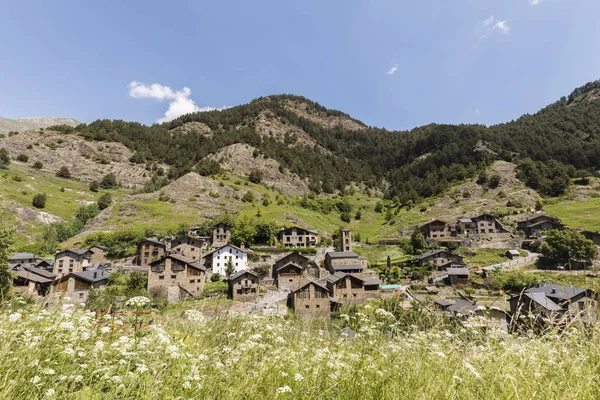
22,157
39,200
94,186
216,288
37,165
63,172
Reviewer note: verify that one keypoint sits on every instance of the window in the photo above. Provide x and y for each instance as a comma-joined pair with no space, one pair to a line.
236,264
147,254
345,296
290,280
60,270
81,295
239,291
161,278
191,281
60,263
318,306
307,307
353,294
237,257
173,276
70,269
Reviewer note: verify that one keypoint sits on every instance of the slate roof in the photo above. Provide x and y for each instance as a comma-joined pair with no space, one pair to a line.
443,302
40,271
514,252
347,267
79,252
336,277
543,300
465,220
228,245
198,265
463,306
372,281
556,291
305,282
22,256
458,271
32,277
91,276
286,264
342,254
299,228
428,253
241,273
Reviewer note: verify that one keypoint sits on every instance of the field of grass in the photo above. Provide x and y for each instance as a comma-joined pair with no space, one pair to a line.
378,254
581,214
485,257
70,354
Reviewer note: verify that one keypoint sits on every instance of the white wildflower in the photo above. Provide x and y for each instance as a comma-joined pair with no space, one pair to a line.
194,315
49,372
284,389
99,345
14,317
105,329
35,379
473,370
50,392
298,377
138,302
142,368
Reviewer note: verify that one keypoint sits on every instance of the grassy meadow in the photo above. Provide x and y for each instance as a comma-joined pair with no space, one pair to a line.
68,353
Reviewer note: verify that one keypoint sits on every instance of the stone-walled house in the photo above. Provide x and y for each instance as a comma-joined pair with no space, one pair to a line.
346,288
219,259
538,223
243,286
288,276
76,286
441,259
31,280
436,229
310,299
482,225
191,247
24,259
345,261
175,277
69,261
221,235
98,254
293,257
458,276
298,237
345,240
149,250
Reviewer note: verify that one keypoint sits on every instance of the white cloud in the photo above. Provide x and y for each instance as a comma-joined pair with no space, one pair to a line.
535,2
502,26
180,101
392,70
477,112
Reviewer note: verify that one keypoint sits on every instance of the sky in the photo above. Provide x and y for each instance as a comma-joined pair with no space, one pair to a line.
396,64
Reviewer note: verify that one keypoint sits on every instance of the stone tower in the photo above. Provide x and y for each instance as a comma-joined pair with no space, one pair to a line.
345,239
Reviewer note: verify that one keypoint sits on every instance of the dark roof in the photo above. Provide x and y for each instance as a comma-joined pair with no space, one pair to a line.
227,245
336,277
443,302
372,281
154,241
289,254
342,254
347,267
300,228
430,253
100,247
45,261
198,265
463,306
79,252
181,258
305,282
241,273
287,264
30,276
91,276
543,300
556,291
457,271
40,272
23,256
432,221
547,217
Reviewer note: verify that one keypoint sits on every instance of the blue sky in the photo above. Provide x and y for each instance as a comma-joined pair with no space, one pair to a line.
395,64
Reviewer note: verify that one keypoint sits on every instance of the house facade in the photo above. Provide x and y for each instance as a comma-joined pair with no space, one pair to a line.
485,224
219,259
293,257
537,224
458,276
288,276
345,261
150,250
346,288
191,247
243,286
310,299
76,286
221,235
32,281
298,237
69,261
175,277
436,229
439,258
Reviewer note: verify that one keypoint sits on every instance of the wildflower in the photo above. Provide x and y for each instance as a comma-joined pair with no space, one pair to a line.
193,315
34,363
14,317
116,378
49,372
138,302
440,354
36,379
284,389
105,329
472,370
142,368
187,385
50,392
99,345
298,377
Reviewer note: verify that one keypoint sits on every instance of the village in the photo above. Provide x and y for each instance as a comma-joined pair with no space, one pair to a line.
302,276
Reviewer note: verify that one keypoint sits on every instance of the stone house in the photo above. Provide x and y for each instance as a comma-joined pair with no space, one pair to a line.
298,237
218,259
293,257
243,286
346,288
458,276
24,259
288,276
76,286
69,261
534,225
149,250
345,261
191,247
174,277
310,299
485,224
221,235
345,240
372,286
512,254
557,303
99,254
436,229
32,281
441,259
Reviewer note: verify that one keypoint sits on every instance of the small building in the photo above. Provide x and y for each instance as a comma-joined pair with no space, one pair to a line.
442,304
512,254
345,261
221,235
243,286
24,258
372,287
298,237
293,257
288,276
463,307
220,258
149,250
484,224
346,288
175,277
77,285
99,254
556,303
32,281
69,261
46,264
593,236
439,258
533,226
345,240
310,299
436,229
458,276
192,247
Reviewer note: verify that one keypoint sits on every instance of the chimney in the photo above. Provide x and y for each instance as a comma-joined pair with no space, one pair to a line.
242,246
553,291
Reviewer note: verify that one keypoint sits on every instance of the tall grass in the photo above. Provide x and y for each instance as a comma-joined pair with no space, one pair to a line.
73,354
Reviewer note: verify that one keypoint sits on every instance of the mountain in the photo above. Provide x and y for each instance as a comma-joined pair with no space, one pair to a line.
24,124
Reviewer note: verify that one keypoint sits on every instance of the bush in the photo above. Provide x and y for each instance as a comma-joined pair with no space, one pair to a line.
94,186
216,288
39,200
494,181
37,165
4,158
109,181
345,216
104,201
63,172
255,176
248,197
358,215
22,157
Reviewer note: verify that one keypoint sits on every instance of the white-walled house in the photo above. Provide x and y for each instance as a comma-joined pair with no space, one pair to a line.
219,258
